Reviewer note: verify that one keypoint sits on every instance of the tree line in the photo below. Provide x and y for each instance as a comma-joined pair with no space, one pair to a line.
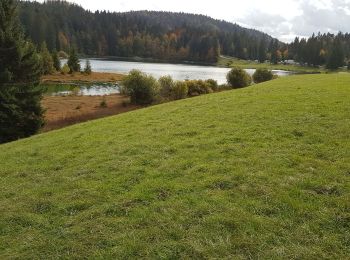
332,50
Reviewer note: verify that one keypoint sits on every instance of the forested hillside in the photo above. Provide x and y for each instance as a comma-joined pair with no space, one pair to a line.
160,35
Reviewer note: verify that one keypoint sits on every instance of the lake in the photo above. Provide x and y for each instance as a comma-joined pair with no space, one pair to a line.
83,90
176,71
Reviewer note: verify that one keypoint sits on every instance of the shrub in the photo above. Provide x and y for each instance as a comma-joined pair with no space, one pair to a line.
56,61
349,65
103,103
73,61
65,69
213,84
179,90
198,87
238,78
141,88
125,103
166,84
87,69
223,87
262,75
46,59
75,91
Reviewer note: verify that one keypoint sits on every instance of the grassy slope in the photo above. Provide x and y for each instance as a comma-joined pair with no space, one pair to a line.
257,172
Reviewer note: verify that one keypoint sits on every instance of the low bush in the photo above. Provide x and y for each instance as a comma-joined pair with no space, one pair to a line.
87,69
142,89
65,69
222,87
103,103
198,87
166,84
213,84
262,75
238,78
179,90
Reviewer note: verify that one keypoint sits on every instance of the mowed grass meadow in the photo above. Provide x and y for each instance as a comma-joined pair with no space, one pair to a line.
255,173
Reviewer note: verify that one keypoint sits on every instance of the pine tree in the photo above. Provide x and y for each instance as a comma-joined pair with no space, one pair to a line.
87,69
47,61
336,57
274,52
21,114
73,61
56,61
262,52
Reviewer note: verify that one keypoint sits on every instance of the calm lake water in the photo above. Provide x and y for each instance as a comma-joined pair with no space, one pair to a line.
83,90
176,71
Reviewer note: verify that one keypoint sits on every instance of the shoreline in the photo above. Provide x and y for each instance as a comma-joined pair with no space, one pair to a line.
151,60
81,78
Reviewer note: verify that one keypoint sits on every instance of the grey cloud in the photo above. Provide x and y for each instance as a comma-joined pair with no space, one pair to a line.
313,19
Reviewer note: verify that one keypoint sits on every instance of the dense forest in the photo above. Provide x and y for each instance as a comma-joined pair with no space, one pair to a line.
148,34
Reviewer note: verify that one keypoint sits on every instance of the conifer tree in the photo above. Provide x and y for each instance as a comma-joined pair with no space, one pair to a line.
56,61
73,61
87,69
47,61
274,52
21,114
262,52
336,57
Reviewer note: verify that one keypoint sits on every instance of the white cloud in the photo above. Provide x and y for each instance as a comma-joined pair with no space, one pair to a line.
332,17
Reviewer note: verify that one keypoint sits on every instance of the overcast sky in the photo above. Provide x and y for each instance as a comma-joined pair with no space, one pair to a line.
282,19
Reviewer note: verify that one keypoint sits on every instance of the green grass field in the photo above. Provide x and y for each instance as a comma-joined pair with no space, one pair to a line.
255,173
246,64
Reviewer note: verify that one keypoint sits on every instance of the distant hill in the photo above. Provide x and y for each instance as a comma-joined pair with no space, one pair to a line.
148,34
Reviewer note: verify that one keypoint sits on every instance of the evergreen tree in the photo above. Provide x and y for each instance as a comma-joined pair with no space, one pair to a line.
47,61
262,52
274,52
73,61
21,114
336,57
56,61
87,69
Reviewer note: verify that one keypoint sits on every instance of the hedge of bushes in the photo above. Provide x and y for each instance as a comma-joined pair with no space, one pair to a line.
144,89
